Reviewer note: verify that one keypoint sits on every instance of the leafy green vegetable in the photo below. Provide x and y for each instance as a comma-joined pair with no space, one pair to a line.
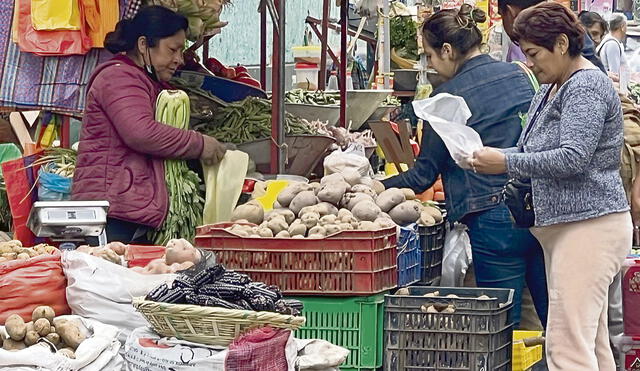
404,36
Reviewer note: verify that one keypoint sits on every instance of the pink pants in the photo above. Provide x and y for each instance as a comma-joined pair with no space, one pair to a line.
581,261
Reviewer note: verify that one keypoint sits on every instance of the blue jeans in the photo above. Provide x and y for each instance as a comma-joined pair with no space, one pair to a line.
507,257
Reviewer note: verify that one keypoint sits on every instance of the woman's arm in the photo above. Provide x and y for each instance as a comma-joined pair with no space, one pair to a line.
427,167
580,128
126,102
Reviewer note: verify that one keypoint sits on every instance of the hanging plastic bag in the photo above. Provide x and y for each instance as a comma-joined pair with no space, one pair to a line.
53,187
353,158
224,183
457,256
448,115
51,15
49,43
29,283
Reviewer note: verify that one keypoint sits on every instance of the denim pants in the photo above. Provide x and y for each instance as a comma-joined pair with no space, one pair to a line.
505,256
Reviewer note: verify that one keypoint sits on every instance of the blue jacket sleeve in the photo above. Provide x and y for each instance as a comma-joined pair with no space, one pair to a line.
428,165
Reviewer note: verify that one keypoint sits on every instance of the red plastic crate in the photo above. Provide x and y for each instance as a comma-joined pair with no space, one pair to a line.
140,256
350,263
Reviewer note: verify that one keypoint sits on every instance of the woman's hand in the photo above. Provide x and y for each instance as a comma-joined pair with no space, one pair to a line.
212,151
489,161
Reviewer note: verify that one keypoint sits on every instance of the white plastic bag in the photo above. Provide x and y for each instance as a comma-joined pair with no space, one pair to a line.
224,185
448,115
98,353
352,158
457,256
103,291
319,355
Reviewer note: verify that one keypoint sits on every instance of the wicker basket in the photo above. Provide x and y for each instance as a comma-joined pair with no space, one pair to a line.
208,325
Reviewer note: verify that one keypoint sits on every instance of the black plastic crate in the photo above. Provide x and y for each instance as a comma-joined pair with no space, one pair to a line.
432,246
477,336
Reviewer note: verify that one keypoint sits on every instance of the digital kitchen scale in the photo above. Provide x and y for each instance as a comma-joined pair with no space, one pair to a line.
69,222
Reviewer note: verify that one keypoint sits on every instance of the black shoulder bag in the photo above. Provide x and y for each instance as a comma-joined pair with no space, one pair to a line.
517,193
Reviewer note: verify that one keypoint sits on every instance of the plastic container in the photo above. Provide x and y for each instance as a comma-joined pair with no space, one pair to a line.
629,347
432,248
348,263
631,296
525,357
352,323
333,81
476,336
349,81
409,256
307,54
307,76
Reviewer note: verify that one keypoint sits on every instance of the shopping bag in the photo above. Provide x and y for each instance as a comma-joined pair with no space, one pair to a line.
448,114
51,15
224,183
53,187
457,256
20,184
49,43
28,283
352,158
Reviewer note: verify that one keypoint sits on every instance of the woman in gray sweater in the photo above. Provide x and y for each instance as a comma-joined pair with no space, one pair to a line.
570,152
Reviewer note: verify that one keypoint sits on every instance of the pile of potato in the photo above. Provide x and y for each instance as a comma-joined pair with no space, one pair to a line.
339,202
64,335
13,250
179,255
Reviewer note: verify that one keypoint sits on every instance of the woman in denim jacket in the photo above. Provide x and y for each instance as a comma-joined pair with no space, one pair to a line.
498,94
571,153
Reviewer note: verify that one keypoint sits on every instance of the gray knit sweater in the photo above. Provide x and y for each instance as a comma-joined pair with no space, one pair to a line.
572,153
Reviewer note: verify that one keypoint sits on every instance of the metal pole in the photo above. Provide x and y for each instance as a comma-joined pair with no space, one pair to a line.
344,20
386,57
275,94
263,46
281,90
324,41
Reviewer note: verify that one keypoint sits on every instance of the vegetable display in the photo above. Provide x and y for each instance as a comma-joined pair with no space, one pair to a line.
13,250
217,287
248,120
391,100
317,97
60,161
185,201
64,335
203,15
340,202
403,36
634,92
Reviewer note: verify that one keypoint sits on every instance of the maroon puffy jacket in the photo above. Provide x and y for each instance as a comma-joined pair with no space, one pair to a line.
122,147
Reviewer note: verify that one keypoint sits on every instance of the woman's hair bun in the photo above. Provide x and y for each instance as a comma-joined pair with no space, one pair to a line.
120,40
472,15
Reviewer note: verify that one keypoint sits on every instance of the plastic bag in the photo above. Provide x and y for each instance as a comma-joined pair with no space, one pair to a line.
457,256
351,158
448,115
19,180
319,355
53,187
49,43
27,284
50,15
98,353
224,183
8,152
103,291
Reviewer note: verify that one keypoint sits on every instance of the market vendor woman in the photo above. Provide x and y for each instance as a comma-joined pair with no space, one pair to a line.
497,94
122,147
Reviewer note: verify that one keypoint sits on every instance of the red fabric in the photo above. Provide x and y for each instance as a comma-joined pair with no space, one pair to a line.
27,284
19,180
122,148
140,256
259,349
49,43
631,299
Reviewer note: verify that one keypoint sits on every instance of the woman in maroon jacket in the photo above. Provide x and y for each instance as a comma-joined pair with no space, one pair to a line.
122,146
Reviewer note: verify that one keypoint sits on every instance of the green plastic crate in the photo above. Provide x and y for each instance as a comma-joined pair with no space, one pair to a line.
354,323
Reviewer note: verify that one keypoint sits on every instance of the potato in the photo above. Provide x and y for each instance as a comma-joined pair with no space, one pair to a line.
251,211
283,234
3,259
351,176
325,208
288,194
332,229
336,177
31,338
345,226
377,186
328,219
297,228
355,198
434,212
23,256
318,230
117,247
16,328
277,225
265,232
308,209
403,291
67,352
180,251
42,326
385,222
366,211
5,248
288,215
368,226
70,333
13,345
316,236
409,194
333,192
390,198
361,188
405,213
10,256
315,187
344,212
298,237
426,219
53,338
302,199
310,220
